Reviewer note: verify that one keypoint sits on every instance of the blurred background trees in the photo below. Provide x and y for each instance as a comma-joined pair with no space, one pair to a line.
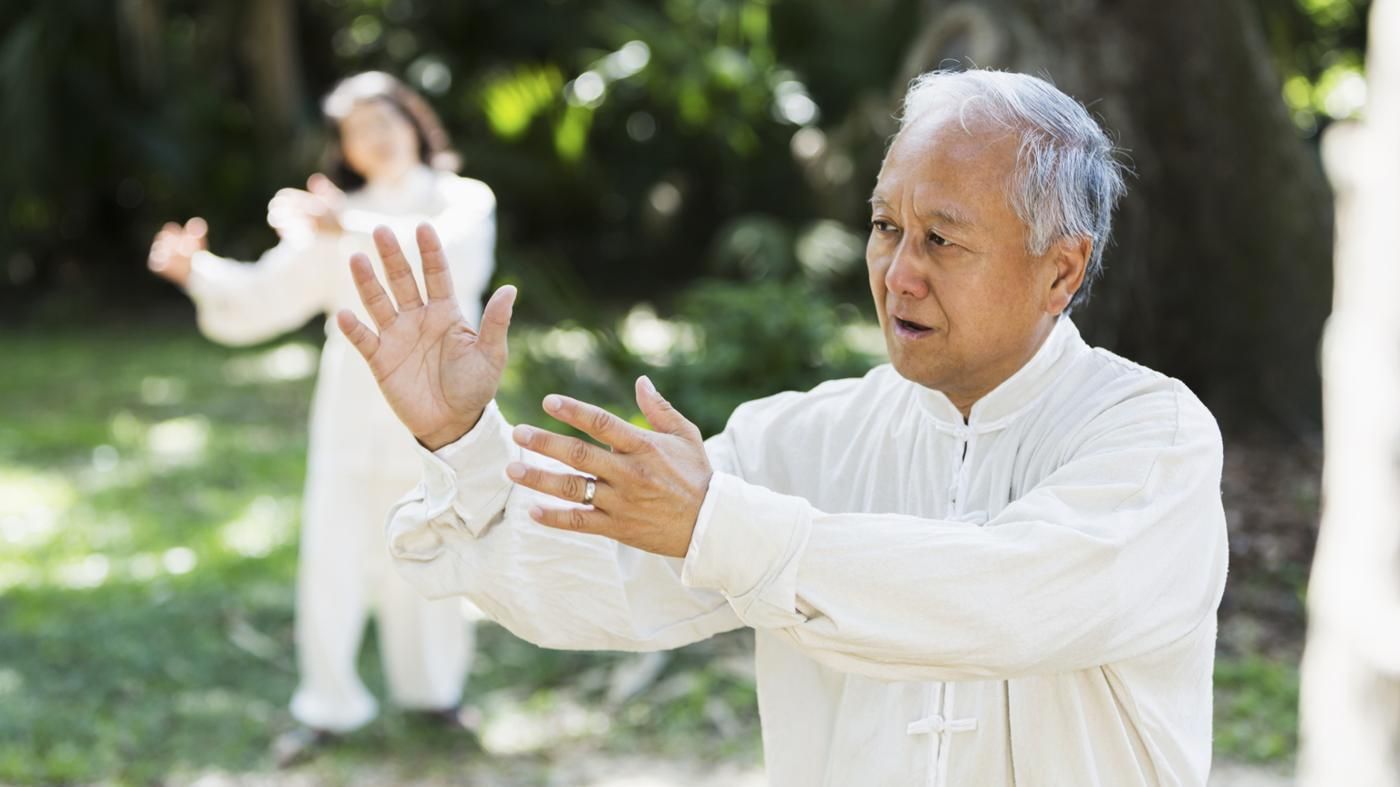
640,149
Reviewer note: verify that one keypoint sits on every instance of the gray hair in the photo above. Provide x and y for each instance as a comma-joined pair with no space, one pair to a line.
1067,179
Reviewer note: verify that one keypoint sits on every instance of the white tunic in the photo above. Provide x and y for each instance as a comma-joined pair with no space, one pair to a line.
1027,597
361,457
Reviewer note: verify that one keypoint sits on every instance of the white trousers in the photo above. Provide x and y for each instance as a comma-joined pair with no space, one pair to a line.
343,573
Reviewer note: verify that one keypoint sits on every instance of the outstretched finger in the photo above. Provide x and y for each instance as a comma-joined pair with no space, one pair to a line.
322,186
359,335
436,274
661,414
596,422
569,487
372,295
397,270
579,454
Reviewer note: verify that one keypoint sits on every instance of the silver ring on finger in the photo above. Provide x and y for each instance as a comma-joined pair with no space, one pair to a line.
590,488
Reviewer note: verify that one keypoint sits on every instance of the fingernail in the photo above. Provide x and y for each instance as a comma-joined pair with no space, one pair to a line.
515,470
536,513
523,434
553,403
649,385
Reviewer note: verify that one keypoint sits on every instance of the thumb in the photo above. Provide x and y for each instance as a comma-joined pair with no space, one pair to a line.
361,337
661,414
323,187
495,322
196,235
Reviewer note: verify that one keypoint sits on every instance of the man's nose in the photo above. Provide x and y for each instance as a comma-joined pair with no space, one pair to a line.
904,276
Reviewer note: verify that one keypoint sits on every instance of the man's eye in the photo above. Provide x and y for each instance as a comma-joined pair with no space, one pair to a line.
880,225
938,240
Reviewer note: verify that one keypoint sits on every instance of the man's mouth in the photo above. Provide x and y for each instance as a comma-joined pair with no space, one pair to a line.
908,329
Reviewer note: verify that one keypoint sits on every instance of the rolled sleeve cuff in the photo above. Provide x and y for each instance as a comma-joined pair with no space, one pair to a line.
469,476
747,544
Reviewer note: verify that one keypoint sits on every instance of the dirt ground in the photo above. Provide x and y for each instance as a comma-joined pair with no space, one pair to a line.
1272,493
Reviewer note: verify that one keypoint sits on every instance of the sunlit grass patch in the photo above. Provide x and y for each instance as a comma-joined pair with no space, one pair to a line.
150,495
147,537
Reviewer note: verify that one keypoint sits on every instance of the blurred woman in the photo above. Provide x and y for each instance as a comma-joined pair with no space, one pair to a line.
389,164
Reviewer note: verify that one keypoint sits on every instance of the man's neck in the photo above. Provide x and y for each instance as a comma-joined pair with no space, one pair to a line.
965,400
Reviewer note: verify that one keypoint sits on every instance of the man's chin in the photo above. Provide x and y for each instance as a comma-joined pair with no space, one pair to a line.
918,370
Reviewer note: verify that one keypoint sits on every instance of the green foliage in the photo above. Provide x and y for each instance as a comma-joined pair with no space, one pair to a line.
752,340
1319,47
1256,709
618,135
714,345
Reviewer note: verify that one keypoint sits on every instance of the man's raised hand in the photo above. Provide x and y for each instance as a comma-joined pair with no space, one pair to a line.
436,372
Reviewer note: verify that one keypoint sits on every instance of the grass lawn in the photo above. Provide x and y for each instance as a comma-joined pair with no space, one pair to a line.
149,492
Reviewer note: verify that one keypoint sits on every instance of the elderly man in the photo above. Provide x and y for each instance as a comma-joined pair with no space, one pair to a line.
995,561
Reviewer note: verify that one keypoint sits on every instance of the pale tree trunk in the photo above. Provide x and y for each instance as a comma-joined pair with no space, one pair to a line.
1351,669
1220,270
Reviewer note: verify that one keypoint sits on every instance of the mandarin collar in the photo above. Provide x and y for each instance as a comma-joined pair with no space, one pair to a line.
1015,394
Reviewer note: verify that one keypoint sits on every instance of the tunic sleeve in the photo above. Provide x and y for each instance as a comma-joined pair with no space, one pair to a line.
465,531
1119,552
245,303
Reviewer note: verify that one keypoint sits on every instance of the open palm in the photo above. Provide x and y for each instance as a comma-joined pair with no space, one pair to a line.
436,372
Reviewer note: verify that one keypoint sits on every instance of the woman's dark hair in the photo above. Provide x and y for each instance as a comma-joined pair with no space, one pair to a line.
434,147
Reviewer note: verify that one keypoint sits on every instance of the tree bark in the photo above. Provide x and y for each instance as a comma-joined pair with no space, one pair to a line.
140,23
1351,668
271,49
1219,272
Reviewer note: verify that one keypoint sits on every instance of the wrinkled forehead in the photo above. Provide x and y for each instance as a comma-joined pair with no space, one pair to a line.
950,154
955,132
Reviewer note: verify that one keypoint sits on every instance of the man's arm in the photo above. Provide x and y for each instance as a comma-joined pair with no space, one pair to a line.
1119,552
466,530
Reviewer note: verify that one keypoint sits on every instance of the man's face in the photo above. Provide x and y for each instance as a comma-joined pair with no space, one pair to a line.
961,302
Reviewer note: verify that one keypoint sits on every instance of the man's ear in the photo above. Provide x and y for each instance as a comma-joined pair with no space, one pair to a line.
1069,260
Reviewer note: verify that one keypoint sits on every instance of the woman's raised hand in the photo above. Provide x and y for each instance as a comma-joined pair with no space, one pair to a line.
313,210
175,246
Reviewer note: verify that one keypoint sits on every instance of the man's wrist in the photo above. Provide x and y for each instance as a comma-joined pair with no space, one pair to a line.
449,434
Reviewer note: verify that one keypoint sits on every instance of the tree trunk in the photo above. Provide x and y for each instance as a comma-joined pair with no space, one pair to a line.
271,48
1219,272
140,23
1351,669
